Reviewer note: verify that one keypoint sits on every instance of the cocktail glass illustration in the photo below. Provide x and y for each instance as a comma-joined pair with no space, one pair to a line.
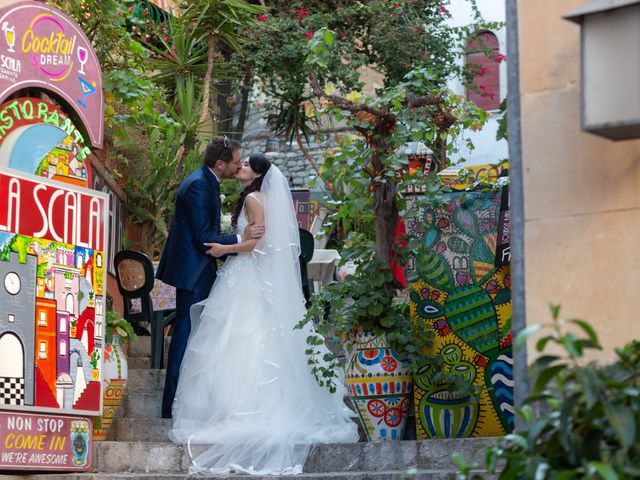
9,35
87,89
83,56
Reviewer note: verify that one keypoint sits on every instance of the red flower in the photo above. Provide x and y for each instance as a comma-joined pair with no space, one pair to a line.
396,5
500,57
262,18
308,34
443,9
302,12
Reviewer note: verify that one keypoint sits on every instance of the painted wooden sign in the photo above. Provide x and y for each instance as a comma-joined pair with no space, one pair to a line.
34,442
52,295
37,137
53,234
43,48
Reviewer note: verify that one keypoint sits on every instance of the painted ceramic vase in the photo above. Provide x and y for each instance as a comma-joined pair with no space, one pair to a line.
380,385
114,383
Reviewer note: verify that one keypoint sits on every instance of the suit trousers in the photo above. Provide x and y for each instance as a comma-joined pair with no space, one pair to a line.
181,330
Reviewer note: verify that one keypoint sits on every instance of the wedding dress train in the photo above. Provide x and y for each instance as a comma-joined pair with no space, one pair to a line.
245,385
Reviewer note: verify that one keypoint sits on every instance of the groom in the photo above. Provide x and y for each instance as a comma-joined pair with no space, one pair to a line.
184,263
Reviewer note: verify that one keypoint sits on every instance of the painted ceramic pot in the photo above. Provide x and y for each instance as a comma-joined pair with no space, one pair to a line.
380,385
114,383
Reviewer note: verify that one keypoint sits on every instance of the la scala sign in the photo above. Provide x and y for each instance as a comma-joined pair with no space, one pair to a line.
48,211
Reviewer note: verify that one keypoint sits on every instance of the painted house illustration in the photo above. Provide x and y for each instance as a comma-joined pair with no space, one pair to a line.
63,379
50,325
46,347
17,330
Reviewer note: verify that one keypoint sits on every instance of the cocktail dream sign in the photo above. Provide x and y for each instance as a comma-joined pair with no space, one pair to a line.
41,47
52,241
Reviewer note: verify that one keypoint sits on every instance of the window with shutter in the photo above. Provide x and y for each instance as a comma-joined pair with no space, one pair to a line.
483,63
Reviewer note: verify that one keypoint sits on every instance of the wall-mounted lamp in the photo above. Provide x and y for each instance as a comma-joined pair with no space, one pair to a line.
610,67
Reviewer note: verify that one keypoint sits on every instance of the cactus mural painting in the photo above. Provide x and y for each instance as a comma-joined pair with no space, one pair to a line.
463,296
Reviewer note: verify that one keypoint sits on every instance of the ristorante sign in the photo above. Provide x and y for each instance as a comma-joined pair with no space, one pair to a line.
41,47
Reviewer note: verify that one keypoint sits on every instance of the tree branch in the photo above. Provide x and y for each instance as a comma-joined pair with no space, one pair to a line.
347,104
441,117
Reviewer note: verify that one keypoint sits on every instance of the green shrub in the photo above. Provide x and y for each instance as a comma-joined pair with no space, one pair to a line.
582,420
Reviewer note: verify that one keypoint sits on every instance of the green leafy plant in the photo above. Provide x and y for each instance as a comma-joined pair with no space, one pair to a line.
116,325
359,303
368,173
582,420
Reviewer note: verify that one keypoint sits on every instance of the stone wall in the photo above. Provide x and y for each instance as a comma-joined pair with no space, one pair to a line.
288,157
259,137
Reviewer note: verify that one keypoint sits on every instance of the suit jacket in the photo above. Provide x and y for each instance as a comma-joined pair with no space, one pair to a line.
195,221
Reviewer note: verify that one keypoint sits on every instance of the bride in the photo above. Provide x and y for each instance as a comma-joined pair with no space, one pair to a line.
245,386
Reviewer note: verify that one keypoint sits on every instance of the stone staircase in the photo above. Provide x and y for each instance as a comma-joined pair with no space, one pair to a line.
138,447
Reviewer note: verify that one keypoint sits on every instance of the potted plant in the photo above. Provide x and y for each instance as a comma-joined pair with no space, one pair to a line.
372,329
114,371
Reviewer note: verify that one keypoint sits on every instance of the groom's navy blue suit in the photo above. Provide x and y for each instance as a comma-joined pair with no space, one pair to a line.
185,265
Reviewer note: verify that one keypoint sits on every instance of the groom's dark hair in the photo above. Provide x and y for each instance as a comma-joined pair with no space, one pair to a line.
220,148
259,164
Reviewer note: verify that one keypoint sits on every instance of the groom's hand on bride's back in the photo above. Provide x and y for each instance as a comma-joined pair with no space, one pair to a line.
254,231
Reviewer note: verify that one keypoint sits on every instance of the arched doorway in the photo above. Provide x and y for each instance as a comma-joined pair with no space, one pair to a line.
11,372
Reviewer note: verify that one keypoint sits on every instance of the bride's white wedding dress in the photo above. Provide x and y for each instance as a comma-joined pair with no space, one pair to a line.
245,385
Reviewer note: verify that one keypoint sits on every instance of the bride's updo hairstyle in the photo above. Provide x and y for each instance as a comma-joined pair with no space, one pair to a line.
259,164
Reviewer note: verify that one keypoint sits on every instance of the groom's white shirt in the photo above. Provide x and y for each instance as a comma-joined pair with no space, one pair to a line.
214,174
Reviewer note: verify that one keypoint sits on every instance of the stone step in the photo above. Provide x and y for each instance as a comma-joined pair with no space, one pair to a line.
428,455
126,429
140,347
380,475
388,455
141,404
146,380
139,362
132,429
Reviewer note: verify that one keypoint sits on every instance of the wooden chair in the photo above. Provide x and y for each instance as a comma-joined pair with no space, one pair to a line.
135,276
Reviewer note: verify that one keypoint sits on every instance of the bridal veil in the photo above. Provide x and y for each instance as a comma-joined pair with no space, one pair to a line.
247,400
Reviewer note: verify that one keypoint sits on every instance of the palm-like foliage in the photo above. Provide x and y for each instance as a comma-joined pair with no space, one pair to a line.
219,22
178,59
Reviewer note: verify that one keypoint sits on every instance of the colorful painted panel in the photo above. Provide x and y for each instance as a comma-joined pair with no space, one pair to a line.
464,297
37,137
461,178
303,207
52,305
